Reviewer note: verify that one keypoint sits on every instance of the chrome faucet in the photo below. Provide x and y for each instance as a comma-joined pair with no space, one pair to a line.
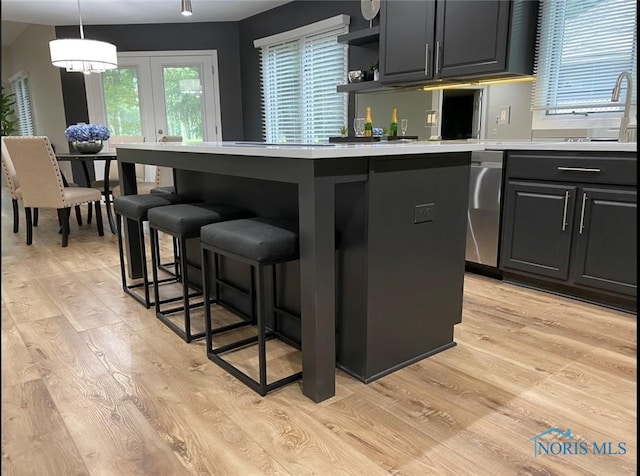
615,97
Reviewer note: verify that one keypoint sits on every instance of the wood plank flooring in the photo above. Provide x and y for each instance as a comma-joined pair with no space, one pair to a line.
93,383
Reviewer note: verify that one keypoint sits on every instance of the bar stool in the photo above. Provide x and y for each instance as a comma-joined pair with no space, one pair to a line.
183,221
136,208
262,243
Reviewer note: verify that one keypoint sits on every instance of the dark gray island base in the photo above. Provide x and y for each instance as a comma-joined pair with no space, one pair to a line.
382,243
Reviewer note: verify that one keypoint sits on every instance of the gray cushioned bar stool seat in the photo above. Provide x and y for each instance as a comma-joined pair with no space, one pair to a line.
183,221
262,243
136,208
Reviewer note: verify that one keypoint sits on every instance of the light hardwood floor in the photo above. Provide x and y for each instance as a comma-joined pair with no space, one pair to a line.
92,383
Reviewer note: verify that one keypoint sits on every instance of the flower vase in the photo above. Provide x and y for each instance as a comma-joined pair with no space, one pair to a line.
88,147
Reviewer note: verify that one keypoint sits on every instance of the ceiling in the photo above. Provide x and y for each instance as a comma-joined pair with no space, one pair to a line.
17,13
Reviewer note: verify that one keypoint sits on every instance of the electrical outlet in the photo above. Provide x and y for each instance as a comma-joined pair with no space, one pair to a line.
504,116
423,213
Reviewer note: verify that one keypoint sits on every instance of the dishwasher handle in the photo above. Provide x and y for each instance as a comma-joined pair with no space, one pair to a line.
486,164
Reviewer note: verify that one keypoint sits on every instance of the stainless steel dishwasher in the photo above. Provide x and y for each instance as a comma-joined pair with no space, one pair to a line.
483,214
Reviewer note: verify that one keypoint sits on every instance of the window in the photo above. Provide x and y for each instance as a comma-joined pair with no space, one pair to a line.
583,45
20,87
300,71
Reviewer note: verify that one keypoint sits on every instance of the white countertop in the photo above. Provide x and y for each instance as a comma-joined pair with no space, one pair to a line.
592,146
321,151
383,148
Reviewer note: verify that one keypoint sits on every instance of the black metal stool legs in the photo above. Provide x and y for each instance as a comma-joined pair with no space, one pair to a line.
186,307
263,307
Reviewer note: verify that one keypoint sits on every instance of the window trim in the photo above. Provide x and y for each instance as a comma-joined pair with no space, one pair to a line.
310,29
21,77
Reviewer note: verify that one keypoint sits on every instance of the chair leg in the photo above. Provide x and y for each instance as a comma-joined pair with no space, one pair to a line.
206,290
98,217
16,216
35,217
261,314
185,289
63,217
89,213
78,215
27,214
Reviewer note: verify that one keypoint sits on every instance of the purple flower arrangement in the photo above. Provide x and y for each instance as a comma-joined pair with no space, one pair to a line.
87,132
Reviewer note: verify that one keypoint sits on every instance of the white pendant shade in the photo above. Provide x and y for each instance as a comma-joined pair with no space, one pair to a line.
80,55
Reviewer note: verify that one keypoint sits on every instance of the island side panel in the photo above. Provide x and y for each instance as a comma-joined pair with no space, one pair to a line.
415,270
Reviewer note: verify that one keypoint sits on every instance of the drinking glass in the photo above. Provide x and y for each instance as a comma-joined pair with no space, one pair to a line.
404,123
358,126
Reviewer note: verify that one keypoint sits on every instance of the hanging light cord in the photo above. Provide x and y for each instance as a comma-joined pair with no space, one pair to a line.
80,16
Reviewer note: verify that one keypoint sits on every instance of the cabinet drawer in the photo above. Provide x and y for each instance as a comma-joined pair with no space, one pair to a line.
619,169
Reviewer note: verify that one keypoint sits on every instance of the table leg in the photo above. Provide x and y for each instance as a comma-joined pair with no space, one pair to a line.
85,170
107,192
316,200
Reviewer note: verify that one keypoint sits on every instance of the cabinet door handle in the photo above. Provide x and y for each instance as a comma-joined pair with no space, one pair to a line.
578,169
437,57
564,215
584,201
426,59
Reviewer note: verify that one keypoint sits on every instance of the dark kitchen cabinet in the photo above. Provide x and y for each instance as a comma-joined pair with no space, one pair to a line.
422,40
569,224
407,40
607,241
537,228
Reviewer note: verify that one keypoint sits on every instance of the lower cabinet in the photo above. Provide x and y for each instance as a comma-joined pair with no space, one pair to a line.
606,246
577,237
537,229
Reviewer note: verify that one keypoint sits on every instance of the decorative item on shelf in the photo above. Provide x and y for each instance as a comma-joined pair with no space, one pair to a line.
82,55
344,131
87,138
356,76
375,71
370,9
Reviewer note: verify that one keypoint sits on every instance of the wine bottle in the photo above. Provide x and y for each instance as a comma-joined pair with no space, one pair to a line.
393,128
368,125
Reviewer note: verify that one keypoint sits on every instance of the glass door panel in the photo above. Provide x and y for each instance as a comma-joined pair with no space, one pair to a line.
122,101
183,101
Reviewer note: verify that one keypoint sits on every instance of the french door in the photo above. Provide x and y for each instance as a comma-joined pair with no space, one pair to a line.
156,94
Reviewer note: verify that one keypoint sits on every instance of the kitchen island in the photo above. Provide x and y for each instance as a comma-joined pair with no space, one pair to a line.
382,240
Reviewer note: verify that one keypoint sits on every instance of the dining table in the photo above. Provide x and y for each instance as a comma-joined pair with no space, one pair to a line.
84,159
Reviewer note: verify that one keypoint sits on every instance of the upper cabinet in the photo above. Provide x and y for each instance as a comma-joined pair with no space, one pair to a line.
424,40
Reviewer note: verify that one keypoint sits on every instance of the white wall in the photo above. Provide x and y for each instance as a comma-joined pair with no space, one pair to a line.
29,54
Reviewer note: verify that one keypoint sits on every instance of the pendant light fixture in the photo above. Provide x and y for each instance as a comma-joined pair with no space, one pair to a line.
82,55
186,8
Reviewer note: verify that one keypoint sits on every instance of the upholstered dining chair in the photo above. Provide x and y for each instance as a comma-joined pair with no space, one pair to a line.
13,185
16,195
42,186
164,175
114,179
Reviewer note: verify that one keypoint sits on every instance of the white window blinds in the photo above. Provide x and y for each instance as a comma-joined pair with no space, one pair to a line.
20,87
583,45
299,77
